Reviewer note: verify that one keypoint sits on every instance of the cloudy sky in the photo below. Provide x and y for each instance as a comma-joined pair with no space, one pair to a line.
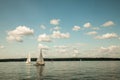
63,28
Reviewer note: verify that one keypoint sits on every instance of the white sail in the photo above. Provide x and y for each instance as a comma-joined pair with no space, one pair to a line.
40,60
28,59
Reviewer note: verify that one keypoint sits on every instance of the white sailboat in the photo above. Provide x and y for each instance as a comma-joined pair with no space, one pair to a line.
28,61
40,60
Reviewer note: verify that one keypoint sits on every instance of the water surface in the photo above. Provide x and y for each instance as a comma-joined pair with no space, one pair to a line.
61,70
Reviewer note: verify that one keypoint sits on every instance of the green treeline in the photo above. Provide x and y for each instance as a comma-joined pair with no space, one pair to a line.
61,59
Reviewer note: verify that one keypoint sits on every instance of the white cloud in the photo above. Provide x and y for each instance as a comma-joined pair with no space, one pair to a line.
92,33
108,23
87,25
103,50
110,50
55,21
21,31
57,28
1,46
41,46
76,28
18,33
107,36
60,47
44,38
75,51
42,27
74,55
58,34
15,38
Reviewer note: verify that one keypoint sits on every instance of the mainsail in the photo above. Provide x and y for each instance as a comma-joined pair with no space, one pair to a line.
40,60
28,59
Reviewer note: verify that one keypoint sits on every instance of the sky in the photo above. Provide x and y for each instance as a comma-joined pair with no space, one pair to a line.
62,28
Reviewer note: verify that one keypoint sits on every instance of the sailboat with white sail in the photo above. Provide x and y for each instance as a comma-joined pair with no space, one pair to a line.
40,60
28,61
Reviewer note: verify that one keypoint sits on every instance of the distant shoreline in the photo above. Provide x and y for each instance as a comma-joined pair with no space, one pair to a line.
61,59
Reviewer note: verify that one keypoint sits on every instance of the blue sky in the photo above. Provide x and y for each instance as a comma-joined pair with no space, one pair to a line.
67,28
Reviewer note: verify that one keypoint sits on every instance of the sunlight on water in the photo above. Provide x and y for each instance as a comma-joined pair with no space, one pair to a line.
74,70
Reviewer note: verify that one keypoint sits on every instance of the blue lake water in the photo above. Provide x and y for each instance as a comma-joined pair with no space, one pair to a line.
61,70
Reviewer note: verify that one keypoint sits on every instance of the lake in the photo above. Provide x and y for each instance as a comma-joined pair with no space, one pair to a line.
61,70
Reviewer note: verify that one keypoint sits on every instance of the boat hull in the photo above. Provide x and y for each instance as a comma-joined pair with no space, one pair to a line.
28,62
39,64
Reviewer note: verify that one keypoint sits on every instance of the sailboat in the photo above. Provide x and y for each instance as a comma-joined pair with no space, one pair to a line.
28,61
40,60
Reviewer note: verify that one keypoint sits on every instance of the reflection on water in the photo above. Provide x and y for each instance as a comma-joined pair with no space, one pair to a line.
28,71
40,70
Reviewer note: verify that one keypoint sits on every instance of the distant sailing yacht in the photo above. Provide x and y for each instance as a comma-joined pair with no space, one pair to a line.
40,60
28,61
